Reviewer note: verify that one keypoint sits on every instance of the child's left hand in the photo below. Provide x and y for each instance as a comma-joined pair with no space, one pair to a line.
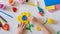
21,28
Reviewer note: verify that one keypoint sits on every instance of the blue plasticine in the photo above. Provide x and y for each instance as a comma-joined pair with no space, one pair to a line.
51,2
40,9
24,18
3,18
6,14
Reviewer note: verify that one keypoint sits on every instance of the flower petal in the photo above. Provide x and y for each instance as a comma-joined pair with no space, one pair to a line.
19,18
27,14
26,21
23,13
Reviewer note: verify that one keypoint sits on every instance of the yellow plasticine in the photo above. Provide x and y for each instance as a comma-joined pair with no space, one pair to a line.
50,20
19,19
30,3
23,13
38,28
50,7
27,14
26,22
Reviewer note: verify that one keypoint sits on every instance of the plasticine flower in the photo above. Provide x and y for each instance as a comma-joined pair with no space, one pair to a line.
23,17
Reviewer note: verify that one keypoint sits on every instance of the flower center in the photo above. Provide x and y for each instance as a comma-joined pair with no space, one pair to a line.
24,18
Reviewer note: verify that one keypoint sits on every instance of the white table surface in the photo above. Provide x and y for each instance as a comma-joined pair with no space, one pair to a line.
33,10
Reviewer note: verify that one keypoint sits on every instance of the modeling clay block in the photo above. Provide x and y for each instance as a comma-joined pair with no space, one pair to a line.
51,11
2,6
21,1
5,27
14,9
38,28
51,2
58,6
50,20
51,7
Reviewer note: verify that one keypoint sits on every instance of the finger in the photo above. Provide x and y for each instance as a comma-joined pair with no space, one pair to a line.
19,25
30,18
24,26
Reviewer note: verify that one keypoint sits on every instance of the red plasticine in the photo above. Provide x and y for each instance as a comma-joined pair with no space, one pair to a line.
5,27
14,9
41,14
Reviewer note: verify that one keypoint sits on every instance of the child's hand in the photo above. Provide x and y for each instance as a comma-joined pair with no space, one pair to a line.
21,28
34,19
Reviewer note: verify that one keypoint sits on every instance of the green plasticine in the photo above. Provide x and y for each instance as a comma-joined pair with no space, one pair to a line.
58,32
29,27
3,22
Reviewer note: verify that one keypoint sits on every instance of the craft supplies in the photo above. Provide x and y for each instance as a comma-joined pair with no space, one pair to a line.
4,24
29,26
6,14
11,2
14,9
58,7
3,18
31,3
23,17
5,27
50,21
38,28
52,5
2,6
41,12
58,32
2,21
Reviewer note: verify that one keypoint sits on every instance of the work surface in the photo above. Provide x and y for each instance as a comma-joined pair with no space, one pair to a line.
34,12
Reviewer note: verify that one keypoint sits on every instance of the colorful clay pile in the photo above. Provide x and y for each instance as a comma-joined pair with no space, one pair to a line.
52,5
4,24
